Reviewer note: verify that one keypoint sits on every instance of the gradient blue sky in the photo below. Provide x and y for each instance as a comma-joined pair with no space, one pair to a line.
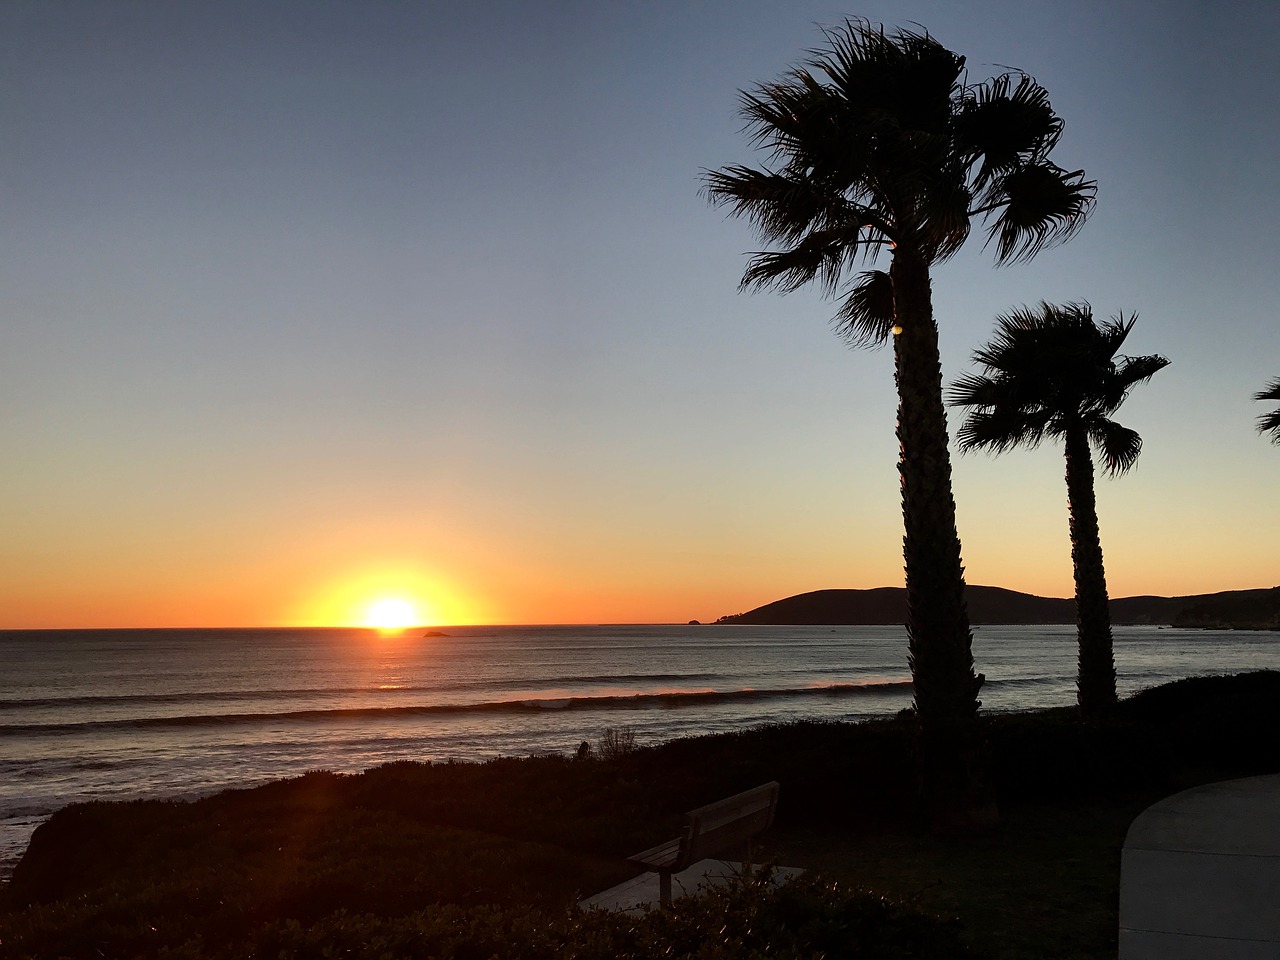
305,303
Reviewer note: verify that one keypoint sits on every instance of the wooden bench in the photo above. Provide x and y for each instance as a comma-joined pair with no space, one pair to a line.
723,825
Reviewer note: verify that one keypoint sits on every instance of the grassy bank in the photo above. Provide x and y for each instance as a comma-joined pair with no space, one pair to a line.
413,856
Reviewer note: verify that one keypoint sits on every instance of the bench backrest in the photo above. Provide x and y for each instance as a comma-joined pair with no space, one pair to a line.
727,823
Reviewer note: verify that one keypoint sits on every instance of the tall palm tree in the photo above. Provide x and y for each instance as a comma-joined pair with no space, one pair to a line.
1270,422
1053,372
877,144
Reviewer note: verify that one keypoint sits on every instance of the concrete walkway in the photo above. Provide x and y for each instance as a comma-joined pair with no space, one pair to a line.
1200,875
641,893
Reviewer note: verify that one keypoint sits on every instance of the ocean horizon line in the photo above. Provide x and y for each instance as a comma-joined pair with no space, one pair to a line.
722,620
384,630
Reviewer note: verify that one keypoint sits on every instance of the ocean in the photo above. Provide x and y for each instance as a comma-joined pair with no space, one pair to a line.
124,714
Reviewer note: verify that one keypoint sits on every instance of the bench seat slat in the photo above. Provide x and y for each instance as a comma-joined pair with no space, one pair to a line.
661,857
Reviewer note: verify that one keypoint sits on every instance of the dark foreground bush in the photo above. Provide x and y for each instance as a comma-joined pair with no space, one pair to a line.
1161,739
806,918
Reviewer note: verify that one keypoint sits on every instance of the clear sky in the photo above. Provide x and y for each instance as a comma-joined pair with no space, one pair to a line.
307,303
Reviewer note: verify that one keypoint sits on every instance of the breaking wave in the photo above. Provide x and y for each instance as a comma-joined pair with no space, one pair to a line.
665,700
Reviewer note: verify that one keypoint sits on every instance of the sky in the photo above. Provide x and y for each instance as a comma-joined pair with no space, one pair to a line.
306,304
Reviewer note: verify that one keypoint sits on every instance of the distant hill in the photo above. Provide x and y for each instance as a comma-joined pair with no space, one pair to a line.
1244,609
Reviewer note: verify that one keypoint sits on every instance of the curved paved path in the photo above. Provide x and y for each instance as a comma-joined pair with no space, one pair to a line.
1200,875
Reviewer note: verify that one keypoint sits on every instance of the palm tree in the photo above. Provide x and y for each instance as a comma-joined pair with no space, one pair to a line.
878,143
1053,372
1270,422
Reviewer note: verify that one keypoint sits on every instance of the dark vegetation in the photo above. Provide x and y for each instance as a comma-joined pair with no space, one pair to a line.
480,860
1269,423
1246,609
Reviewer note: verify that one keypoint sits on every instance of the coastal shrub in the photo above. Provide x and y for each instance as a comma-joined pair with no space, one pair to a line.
616,742
804,918
1162,739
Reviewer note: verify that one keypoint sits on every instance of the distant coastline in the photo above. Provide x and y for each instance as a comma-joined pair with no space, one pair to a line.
1227,610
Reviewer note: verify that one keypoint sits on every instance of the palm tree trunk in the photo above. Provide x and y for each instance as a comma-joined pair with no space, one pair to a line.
1096,679
952,757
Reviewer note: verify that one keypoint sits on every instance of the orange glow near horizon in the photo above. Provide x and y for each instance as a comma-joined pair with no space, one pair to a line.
331,579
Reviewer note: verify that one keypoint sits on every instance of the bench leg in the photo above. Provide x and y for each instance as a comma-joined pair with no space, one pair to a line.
664,888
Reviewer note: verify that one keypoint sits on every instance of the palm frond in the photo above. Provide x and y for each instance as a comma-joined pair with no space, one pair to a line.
906,76
1036,206
1002,350
1128,373
797,120
943,220
973,391
1003,125
781,208
999,418
865,319
820,255
1111,334
999,429
1272,391
1032,342
1119,446
1270,422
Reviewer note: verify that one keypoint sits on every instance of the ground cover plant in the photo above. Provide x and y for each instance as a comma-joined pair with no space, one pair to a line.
462,860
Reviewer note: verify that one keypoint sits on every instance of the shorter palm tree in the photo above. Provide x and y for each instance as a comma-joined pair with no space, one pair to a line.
1053,372
1270,422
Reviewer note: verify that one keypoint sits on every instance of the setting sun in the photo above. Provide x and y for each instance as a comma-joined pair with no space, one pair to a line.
387,596
391,613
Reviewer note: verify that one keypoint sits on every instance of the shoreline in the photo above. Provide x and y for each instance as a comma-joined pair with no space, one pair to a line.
322,853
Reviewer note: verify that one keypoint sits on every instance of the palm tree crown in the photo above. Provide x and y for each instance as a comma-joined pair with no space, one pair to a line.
1270,422
1050,371
1053,372
879,141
